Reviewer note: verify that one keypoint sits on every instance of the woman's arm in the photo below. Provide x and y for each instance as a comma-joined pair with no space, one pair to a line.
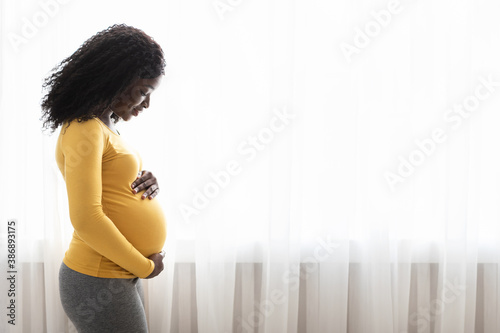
83,145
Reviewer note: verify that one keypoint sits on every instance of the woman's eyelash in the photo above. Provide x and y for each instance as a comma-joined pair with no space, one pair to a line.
142,93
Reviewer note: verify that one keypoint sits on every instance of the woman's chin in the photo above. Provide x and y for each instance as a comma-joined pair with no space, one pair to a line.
126,117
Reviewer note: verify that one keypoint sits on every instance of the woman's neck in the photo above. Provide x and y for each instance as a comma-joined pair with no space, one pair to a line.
106,119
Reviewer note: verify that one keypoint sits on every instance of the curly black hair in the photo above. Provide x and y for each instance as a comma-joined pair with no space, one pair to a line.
86,83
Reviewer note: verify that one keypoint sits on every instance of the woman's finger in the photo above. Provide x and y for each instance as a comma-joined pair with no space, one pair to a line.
151,192
154,193
142,176
143,185
145,181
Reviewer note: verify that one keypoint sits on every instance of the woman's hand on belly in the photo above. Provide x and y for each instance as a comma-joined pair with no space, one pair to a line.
158,260
146,181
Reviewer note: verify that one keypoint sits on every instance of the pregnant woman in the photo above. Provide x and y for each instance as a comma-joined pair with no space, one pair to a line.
119,229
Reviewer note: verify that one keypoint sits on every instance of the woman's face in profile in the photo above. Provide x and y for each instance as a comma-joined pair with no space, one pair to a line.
135,98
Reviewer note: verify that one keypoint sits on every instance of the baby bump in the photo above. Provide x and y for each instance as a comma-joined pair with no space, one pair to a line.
141,221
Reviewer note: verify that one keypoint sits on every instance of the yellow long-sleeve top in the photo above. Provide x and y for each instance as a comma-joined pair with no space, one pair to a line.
114,229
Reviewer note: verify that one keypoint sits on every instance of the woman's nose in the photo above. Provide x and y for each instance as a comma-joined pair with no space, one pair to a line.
145,103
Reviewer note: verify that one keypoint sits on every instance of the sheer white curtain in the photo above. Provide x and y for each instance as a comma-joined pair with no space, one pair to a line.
325,166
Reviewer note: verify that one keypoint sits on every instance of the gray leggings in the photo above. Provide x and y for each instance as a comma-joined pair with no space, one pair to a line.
97,305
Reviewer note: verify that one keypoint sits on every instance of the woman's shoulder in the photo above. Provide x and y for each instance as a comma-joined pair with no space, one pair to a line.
79,125
91,129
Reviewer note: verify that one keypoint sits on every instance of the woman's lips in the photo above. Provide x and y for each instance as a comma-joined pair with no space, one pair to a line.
135,112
